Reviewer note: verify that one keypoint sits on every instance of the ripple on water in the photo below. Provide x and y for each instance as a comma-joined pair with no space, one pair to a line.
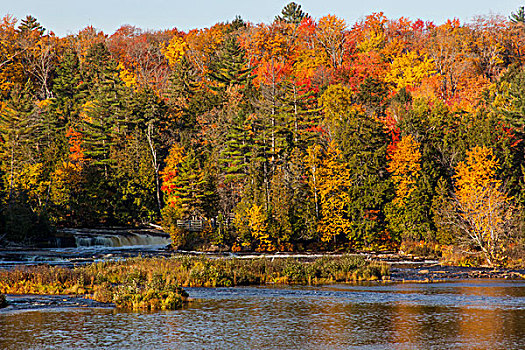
400,316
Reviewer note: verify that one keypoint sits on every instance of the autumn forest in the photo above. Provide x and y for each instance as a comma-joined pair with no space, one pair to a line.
301,134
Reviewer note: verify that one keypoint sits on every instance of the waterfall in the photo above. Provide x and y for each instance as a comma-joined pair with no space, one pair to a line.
112,237
128,240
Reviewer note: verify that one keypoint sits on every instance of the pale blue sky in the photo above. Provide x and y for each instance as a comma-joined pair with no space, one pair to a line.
69,16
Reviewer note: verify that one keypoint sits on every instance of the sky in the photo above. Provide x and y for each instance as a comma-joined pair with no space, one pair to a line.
69,16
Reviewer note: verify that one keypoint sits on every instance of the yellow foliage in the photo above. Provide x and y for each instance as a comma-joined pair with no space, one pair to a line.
65,178
371,33
308,61
87,107
203,44
373,41
126,76
44,103
175,157
483,204
334,179
337,103
29,178
410,69
331,35
259,227
175,50
12,69
405,167
476,174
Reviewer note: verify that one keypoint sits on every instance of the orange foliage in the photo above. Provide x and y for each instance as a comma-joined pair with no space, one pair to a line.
76,151
175,158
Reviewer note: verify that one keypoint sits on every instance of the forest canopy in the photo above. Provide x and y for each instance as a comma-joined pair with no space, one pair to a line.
302,133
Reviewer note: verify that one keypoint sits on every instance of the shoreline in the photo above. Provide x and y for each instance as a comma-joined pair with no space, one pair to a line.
403,267
442,273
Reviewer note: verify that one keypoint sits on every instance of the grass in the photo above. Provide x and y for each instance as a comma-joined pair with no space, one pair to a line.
157,283
130,289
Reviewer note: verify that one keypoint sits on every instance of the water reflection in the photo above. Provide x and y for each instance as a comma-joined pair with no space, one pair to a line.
461,315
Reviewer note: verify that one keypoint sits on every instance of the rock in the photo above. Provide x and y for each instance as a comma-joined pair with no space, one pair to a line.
3,301
213,248
423,271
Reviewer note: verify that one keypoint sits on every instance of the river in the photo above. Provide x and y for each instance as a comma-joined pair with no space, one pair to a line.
474,314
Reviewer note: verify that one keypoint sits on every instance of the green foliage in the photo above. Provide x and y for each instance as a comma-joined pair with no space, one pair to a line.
292,13
364,144
130,289
155,283
29,24
288,130
518,16
232,68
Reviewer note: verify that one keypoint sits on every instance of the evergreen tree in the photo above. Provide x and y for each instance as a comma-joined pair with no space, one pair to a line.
149,115
232,67
105,113
292,13
30,24
189,96
188,188
364,144
518,16
236,24
69,89
17,128
24,183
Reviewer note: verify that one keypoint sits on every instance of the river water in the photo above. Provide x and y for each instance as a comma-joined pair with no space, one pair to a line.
479,314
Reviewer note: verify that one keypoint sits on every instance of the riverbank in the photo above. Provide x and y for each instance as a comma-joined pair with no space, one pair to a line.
437,273
157,283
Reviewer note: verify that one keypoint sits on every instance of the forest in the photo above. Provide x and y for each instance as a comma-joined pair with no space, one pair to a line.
302,134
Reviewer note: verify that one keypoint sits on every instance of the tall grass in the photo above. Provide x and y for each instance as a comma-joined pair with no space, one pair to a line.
156,283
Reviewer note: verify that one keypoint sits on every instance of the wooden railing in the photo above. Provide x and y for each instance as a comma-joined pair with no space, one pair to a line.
199,225
191,225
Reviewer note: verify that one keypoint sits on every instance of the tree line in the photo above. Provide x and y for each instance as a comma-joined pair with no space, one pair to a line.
298,134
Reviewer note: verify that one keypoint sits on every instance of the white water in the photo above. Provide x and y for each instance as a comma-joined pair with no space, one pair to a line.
130,239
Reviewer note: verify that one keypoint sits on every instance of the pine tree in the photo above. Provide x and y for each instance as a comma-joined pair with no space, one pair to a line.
24,183
292,13
149,115
69,89
231,67
363,143
189,95
518,16
105,115
188,188
30,24
17,127
233,74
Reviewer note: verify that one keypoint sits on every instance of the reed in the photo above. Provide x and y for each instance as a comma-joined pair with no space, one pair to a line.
157,283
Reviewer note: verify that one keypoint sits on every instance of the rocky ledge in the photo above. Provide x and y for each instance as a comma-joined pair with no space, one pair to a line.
436,272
